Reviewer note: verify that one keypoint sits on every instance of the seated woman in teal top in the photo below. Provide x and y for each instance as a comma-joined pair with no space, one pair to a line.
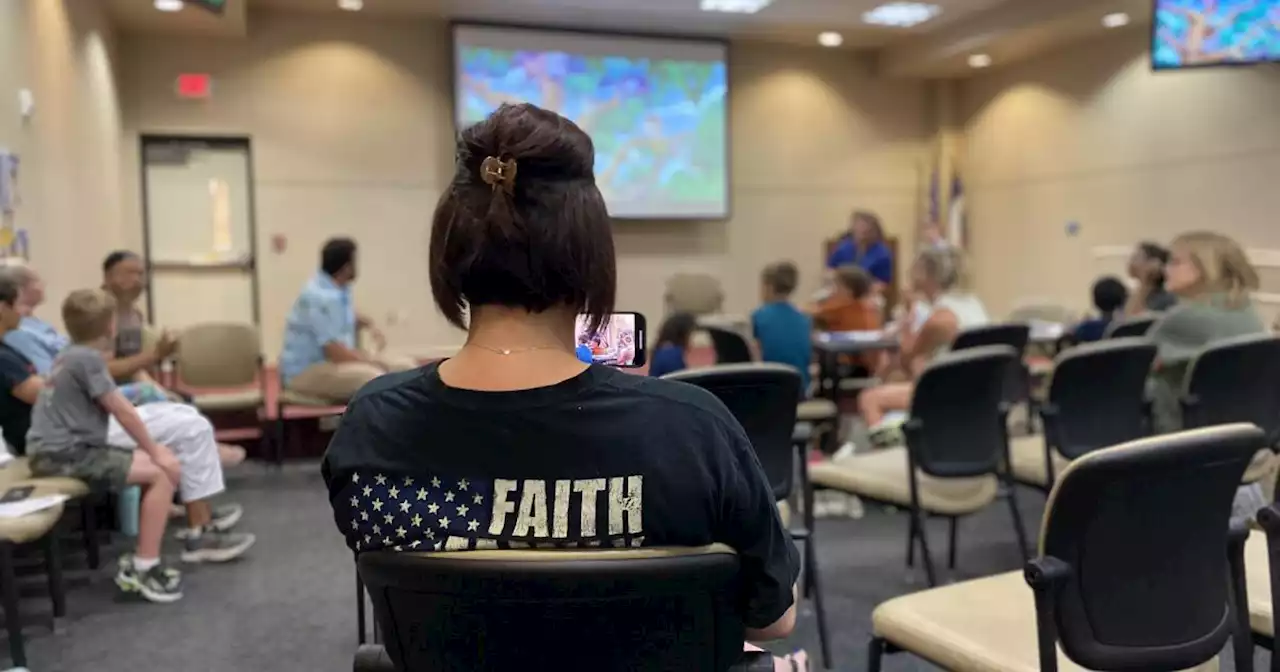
865,247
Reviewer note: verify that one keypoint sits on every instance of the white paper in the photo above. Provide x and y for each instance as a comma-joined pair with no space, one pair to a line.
851,336
30,505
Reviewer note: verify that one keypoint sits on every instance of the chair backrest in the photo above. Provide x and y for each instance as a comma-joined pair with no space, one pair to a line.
730,346
695,293
1235,380
219,355
1096,396
1144,529
957,426
763,398
644,609
1012,334
1138,325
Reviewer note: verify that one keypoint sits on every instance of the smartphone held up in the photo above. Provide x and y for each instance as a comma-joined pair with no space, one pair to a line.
618,342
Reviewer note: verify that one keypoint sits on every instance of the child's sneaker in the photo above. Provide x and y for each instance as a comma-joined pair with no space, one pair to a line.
173,576
225,517
155,584
215,546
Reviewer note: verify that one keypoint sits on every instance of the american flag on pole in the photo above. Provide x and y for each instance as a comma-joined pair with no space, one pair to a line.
415,513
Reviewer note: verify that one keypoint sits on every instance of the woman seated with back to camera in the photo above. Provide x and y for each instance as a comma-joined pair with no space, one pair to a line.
1212,280
514,442
941,310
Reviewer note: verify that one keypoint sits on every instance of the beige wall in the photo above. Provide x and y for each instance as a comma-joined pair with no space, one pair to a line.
62,50
1092,135
351,128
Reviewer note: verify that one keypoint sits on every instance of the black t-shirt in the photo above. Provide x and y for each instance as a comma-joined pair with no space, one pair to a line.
604,459
15,414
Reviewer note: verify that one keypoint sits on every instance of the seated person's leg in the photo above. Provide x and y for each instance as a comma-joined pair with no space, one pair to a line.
190,436
143,573
874,403
334,382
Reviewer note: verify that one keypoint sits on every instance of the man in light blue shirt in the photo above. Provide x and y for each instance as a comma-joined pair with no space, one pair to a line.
320,358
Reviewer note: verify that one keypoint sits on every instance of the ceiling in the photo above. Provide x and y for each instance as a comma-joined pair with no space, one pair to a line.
1008,30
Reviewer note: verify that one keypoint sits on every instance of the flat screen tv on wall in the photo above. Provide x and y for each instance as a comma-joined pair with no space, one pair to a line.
656,108
1197,33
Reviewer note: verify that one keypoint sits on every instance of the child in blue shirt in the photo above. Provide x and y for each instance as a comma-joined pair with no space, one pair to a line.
782,330
1109,297
673,341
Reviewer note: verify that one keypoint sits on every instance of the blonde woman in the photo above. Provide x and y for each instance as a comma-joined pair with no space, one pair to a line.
1212,278
937,279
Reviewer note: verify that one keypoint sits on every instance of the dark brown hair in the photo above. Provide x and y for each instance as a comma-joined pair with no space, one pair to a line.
854,279
527,230
781,277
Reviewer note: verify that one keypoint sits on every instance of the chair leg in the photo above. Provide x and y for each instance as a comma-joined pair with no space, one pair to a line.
12,616
1018,528
925,558
57,587
89,527
281,438
951,543
811,574
912,530
875,651
360,622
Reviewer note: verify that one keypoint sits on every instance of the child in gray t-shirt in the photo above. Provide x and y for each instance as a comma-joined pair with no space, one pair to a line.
68,438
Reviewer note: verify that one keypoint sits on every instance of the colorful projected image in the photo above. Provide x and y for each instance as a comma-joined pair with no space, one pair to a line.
658,125
614,344
1206,32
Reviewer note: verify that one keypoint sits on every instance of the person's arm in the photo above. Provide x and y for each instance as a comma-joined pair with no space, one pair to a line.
749,523
366,323
939,330
28,390
1137,303
128,368
323,317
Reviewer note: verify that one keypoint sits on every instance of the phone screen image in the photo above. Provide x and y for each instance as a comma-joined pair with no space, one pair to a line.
618,342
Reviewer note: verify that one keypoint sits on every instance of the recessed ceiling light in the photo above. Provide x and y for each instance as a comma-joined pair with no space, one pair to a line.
169,5
1116,20
830,39
901,14
351,5
979,61
734,6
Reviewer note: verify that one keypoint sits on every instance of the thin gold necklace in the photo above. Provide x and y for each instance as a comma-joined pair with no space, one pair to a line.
515,351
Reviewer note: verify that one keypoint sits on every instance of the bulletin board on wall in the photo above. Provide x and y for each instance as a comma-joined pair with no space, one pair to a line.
13,239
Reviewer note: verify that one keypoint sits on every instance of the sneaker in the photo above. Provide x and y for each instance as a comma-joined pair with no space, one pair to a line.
153,584
173,576
215,546
225,517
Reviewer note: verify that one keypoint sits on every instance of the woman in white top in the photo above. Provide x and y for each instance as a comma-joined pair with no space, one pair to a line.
936,281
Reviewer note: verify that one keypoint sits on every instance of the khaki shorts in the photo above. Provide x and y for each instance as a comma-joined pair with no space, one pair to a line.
104,468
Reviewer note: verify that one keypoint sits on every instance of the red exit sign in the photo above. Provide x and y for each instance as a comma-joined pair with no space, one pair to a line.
195,86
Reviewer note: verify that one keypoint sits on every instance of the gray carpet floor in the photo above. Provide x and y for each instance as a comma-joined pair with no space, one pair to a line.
290,604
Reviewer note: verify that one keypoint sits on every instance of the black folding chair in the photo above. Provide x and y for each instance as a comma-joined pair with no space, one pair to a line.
1015,335
956,442
629,609
1138,569
762,397
731,347
1095,400
1136,326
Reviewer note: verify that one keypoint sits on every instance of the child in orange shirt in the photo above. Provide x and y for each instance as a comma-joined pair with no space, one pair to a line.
850,307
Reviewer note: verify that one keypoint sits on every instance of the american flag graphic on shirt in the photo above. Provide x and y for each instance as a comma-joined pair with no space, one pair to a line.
378,510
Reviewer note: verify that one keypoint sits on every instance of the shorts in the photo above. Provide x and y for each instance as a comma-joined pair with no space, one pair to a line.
102,468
